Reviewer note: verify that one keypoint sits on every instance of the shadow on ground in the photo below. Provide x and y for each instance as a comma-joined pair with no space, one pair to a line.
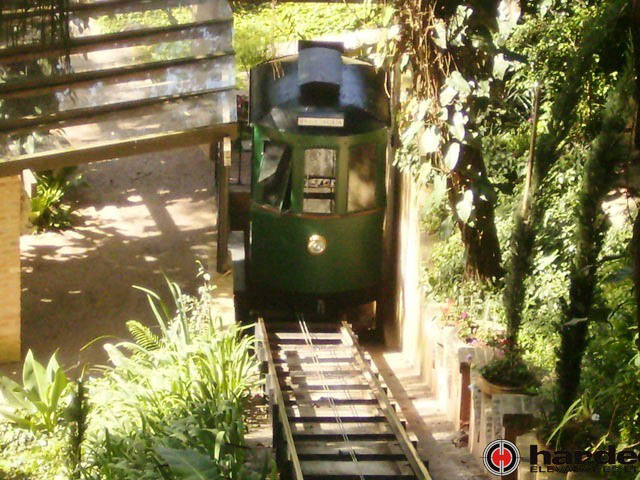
137,217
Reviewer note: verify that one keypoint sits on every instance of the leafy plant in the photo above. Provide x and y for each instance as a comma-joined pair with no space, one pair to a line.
49,209
177,395
579,427
510,370
76,417
36,404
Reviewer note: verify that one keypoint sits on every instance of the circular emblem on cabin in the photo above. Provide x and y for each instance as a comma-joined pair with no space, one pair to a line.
501,458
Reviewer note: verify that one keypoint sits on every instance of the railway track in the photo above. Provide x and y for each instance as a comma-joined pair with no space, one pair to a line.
332,418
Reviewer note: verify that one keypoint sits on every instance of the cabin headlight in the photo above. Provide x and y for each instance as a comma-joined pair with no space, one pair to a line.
317,244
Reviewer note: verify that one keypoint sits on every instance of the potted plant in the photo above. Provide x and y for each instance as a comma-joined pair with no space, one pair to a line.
507,372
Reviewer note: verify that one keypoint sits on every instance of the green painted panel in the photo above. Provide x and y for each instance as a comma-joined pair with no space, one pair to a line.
280,260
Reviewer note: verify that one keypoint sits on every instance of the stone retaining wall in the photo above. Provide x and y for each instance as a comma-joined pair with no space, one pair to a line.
443,358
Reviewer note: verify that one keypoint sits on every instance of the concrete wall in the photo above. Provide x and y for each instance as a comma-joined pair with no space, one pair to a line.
435,348
10,223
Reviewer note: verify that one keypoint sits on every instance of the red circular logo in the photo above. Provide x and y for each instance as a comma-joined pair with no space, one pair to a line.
501,458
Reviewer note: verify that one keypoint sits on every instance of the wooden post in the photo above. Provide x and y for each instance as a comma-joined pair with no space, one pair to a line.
223,258
10,192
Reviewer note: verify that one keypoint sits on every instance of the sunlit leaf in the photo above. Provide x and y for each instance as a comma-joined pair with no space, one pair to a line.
500,66
452,156
429,141
189,464
457,128
457,81
410,133
439,34
465,207
447,95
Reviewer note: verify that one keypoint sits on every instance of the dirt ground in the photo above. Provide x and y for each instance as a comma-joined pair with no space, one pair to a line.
136,218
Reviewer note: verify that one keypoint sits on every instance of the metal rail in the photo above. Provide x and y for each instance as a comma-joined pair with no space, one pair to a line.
390,413
277,400
345,425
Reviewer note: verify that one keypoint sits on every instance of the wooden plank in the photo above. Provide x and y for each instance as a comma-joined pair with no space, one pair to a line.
334,419
10,12
346,457
43,85
93,43
319,376
327,410
337,436
303,341
412,456
223,256
302,361
195,74
342,476
359,448
392,469
82,115
301,402
116,149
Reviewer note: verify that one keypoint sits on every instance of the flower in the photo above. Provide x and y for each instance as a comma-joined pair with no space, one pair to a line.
469,357
464,315
595,417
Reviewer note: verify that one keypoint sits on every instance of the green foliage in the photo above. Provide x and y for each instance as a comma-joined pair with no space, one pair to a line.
579,427
149,18
171,404
28,456
49,207
257,29
177,398
510,370
37,403
573,50
76,418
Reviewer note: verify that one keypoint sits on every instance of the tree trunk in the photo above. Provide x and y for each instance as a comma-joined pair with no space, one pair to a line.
480,239
609,149
635,239
635,255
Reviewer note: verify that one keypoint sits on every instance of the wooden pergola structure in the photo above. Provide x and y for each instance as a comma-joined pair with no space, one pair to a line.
98,82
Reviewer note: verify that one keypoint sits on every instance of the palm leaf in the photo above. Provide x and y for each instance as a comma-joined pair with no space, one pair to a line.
143,335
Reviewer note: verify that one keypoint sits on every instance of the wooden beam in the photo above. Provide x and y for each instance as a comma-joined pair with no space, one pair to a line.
79,116
110,40
223,154
235,3
46,85
117,149
12,13
10,220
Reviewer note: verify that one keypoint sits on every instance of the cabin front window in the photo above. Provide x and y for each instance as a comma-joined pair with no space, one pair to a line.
362,177
275,175
319,180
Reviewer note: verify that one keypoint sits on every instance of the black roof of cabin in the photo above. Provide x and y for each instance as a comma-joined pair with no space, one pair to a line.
319,82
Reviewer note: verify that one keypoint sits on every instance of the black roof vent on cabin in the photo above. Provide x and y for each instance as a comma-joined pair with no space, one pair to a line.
319,71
